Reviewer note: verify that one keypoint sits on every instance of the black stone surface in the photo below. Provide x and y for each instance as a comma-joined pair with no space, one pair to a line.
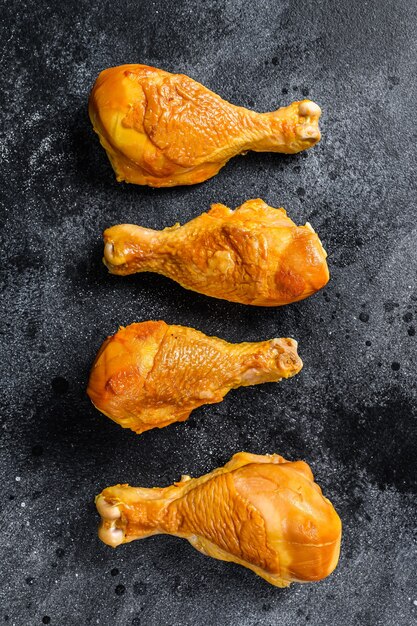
351,413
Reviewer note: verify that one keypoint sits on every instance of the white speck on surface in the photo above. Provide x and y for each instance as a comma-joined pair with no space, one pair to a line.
18,479
23,504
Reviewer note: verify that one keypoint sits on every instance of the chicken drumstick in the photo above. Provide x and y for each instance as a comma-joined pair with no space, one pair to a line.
163,129
262,512
253,255
149,375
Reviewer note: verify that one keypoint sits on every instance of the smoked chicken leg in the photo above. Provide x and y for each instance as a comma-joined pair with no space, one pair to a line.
163,129
262,512
253,255
149,375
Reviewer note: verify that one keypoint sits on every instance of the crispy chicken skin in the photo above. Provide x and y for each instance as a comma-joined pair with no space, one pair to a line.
253,255
163,129
150,374
262,512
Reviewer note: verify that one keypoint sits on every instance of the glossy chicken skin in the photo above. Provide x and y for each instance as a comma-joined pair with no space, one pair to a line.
150,374
262,512
253,255
163,129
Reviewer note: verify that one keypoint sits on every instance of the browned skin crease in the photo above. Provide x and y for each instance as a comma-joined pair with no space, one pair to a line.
163,129
149,375
254,255
262,512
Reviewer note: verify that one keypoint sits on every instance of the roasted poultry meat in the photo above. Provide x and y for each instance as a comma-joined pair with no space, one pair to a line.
150,374
262,512
253,255
163,129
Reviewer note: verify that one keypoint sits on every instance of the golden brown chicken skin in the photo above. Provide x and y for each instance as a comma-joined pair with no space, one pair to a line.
163,129
253,255
150,374
262,512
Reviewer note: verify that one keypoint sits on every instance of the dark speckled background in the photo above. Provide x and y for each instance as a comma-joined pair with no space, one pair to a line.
351,413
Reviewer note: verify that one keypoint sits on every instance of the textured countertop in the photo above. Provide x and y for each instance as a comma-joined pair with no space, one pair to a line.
351,413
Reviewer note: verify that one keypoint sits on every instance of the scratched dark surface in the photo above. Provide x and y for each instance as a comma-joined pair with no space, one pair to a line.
351,413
